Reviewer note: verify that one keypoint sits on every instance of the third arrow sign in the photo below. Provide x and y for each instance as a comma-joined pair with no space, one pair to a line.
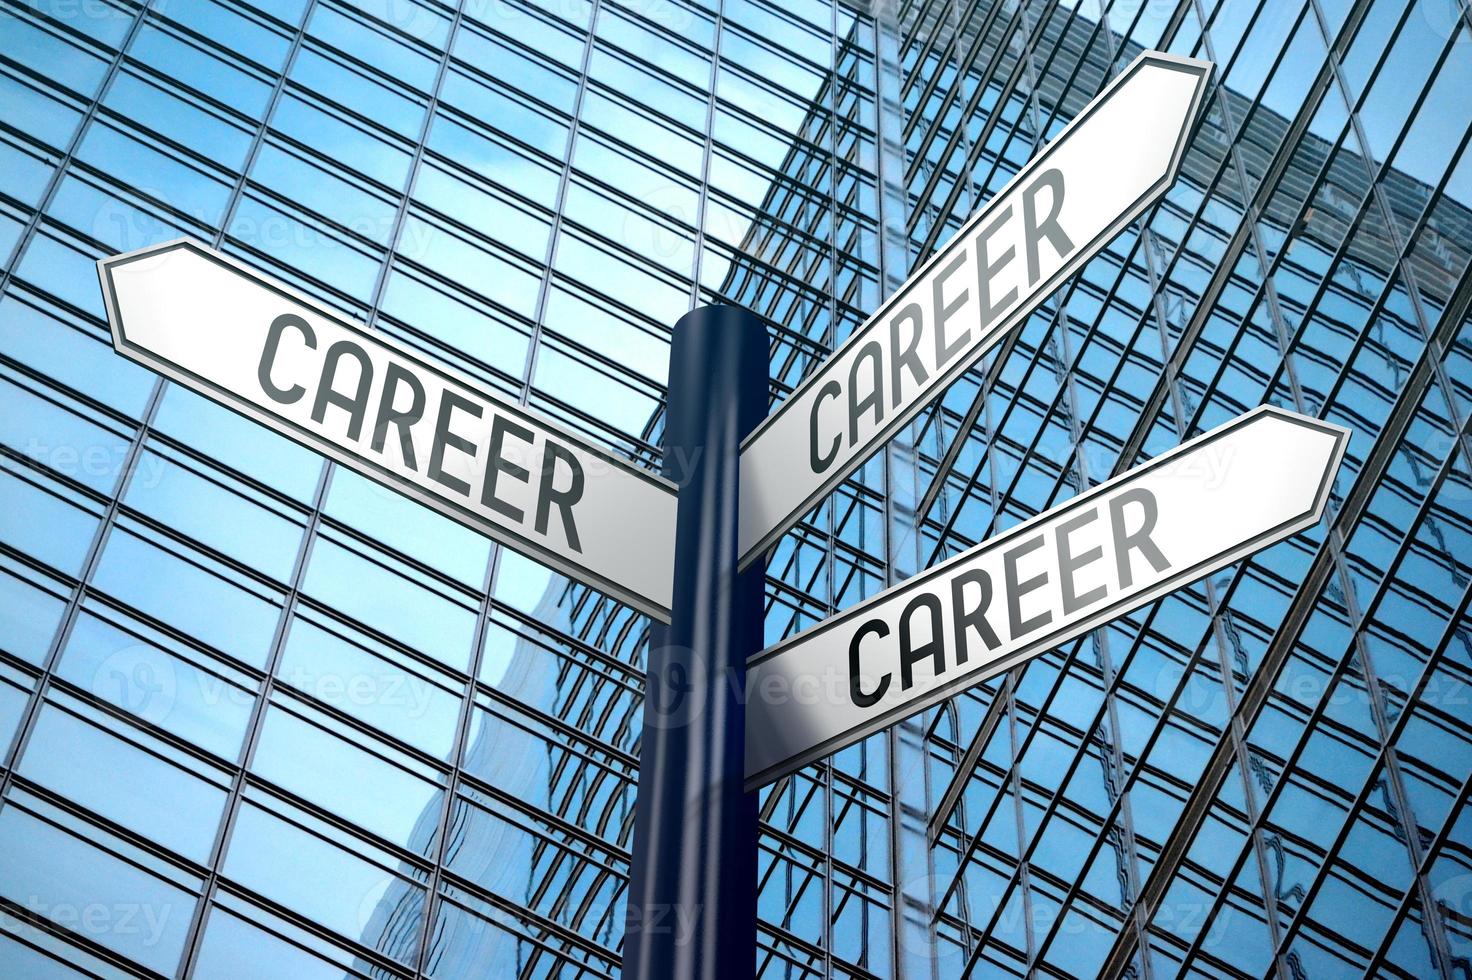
1114,160
1259,478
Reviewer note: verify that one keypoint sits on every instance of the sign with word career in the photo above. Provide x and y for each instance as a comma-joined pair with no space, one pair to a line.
379,407
1109,164
1258,479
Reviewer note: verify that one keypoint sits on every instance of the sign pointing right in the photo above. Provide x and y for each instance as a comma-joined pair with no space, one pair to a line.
1260,478
1107,166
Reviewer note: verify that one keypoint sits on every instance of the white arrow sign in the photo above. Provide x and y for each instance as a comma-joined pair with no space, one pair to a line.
1259,478
1106,167
275,355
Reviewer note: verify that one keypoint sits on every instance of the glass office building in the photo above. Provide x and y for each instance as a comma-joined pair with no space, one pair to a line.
259,716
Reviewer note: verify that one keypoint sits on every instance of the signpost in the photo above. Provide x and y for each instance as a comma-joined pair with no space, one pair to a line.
1256,480
381,408
1106,167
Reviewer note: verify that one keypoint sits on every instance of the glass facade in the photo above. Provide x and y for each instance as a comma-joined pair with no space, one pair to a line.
261,717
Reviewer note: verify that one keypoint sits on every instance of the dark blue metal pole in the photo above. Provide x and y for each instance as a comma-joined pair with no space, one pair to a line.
692,886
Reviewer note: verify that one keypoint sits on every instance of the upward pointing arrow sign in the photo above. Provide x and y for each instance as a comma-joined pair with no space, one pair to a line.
1107,166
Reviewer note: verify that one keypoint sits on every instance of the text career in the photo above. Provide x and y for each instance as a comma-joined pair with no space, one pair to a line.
964,297
516,472
1008,594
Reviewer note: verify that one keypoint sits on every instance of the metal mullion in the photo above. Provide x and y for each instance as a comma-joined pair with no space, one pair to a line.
1234,731
253,726
357,541
1267,291
990,377
1403,805
1251,217
1040,122
112,418
383,26
1271,182
1117,808
587,839
559,203
9,909
567,935
1101,30
1404,243
1381,757
975,152
258,709
930,45
946,464
1025,451
947,529
401,212
1259,296
607,666
1362,337
68,156
225,53
919,28
186,157
579,743
953,799
957,140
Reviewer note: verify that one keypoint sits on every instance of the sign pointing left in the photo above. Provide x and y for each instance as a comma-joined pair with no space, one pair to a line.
375,405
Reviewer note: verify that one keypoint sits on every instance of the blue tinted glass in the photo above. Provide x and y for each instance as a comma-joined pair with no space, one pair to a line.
325,881
197,505
193,700
40,519
78,885
430,623
189,595
341,771
125,780
373,684
28,617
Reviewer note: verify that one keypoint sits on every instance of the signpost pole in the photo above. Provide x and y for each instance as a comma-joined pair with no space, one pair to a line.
692,885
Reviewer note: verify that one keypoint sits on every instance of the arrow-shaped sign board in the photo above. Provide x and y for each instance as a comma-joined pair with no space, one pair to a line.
379,407
1258,479
1106,167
